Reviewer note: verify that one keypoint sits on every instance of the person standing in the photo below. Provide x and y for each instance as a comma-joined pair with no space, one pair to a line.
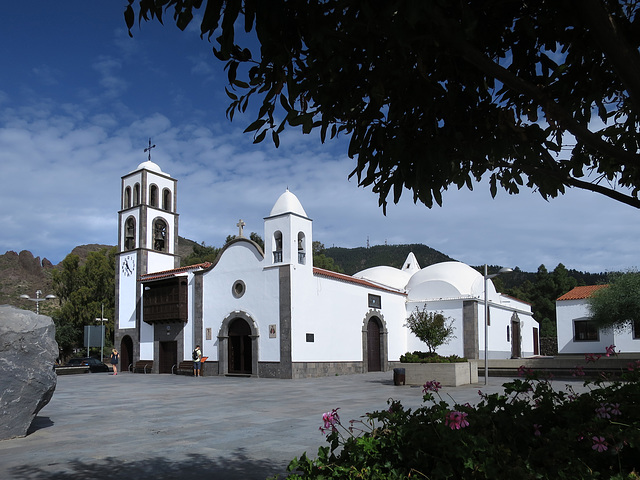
114,360
197,364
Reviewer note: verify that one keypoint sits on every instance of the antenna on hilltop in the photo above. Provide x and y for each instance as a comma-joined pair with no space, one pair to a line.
368,245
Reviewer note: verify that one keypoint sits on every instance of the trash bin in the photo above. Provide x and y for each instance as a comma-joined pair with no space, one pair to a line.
398,376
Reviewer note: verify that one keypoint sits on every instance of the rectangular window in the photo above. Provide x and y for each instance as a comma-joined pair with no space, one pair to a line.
636,329
375,301
310,338
585,331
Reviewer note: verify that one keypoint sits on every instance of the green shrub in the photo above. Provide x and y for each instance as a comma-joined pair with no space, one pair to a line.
429,357
528,432
433,328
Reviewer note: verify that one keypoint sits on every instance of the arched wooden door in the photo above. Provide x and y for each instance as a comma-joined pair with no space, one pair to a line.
515,339
373,345
239,354
126,353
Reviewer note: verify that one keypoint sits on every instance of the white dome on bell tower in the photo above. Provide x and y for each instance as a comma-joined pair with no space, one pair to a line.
288,203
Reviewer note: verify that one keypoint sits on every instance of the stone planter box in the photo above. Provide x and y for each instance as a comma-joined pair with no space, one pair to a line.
448,374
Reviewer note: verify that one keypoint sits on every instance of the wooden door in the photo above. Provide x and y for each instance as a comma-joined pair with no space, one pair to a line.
239,354
168,356
373,345
515,339
126,353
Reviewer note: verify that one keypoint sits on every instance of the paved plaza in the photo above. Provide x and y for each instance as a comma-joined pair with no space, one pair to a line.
137,426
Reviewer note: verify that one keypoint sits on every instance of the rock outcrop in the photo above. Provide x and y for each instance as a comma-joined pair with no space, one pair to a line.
28,350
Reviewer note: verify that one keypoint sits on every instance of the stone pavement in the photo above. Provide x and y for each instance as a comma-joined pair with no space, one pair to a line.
137,426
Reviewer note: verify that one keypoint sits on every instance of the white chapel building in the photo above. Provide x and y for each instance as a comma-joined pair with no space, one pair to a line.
273,314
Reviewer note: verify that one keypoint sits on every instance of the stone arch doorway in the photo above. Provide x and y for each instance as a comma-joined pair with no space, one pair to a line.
238,345
126,353
374,342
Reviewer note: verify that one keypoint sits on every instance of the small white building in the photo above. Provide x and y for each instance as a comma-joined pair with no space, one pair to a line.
272,313
578,334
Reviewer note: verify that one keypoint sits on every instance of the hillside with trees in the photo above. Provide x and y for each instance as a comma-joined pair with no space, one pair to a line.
84,281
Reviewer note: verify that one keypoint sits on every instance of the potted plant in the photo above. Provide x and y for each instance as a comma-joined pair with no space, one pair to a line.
435,330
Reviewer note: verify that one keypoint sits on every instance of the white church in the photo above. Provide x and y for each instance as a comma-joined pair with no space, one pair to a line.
273,314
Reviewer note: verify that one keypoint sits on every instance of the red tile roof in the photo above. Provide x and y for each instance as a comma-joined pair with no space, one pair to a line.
173,272
579,293
349,279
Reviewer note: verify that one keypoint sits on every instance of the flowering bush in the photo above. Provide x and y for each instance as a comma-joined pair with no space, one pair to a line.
530,431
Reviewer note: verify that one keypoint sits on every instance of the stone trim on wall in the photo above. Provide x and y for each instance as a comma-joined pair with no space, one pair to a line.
284,284
384,341
223,342
470,341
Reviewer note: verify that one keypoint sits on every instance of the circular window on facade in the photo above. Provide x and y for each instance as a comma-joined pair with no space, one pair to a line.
238,288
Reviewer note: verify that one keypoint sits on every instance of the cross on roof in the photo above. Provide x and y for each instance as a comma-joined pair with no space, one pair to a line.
148,149
240,224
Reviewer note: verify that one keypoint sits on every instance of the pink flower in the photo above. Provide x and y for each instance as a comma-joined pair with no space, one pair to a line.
456,420
590,357
431,386
611,350
524,371
536,430
603,411
599,444
578,372
330,419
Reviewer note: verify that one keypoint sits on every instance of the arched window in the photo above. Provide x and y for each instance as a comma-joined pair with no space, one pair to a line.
127,197
136,194
301,251
277,241
130,234
153,196
166,199
160,235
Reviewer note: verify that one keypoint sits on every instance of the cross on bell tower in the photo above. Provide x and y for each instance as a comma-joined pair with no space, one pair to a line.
148,149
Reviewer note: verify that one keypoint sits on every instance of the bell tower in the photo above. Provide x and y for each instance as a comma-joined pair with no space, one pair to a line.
147,242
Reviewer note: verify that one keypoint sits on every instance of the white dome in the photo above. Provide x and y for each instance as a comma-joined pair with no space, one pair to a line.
149,165
288,203
390,276
384,275
447,280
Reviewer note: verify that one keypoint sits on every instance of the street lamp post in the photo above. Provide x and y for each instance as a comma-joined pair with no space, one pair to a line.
102,320
486,318
38,299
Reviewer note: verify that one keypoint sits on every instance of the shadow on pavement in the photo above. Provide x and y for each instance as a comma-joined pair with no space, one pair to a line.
39,423
236,466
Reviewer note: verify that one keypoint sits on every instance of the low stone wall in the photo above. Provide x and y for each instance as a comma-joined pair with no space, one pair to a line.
448,374
562,366
324,369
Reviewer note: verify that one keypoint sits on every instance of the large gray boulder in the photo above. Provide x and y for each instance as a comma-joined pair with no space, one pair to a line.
28,350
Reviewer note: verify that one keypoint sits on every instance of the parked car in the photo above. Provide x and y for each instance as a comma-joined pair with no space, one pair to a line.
94,364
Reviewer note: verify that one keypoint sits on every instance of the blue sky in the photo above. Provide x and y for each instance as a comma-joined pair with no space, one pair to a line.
79,100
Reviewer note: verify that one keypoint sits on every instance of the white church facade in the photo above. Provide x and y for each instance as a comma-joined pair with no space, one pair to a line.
273,314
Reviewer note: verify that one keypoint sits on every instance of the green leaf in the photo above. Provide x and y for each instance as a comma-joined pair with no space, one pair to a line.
260,137
255,125
231,95
129,18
